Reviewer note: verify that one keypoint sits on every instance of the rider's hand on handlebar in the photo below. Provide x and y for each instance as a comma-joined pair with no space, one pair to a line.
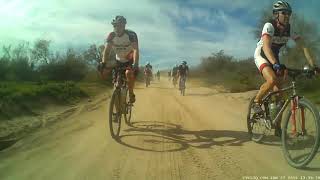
279,68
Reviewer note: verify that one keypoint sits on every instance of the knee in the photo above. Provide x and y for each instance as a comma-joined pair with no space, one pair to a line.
272,81
129,74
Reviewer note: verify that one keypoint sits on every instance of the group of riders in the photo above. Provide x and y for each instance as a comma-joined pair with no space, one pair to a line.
148,73
179,73
275,34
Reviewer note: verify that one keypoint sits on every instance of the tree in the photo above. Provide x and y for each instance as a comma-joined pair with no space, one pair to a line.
7,52
93,54
41,51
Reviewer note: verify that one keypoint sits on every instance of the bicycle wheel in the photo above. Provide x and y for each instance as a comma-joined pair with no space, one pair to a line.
128,110
301,145
256,123
115,114
182,86
147,81
182,91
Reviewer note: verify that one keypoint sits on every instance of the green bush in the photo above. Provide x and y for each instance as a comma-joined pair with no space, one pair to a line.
235,75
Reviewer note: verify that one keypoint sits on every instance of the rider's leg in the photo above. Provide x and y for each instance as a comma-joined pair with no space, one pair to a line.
271,81
277,131
179,82
131,80
270,77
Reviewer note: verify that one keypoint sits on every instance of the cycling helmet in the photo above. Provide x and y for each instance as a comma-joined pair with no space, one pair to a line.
184,62
119,19
281,6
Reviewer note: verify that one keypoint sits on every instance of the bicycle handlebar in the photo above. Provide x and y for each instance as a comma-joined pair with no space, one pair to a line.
309,73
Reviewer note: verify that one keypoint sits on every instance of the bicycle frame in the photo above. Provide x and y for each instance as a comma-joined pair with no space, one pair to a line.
293,99
120,77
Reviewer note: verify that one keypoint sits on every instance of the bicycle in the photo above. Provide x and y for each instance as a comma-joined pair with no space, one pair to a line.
296,134
182,85
148,76
174,81
119,104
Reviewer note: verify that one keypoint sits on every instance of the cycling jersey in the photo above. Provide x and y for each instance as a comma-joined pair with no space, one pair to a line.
278,40
174,71
148,69
183,69
122,45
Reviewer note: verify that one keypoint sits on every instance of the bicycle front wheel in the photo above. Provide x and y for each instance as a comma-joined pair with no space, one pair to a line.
300,134
115,113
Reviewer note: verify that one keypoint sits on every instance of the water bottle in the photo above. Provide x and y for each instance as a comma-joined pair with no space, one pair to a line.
273,109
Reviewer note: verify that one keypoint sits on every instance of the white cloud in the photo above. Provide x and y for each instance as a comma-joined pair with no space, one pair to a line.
79,23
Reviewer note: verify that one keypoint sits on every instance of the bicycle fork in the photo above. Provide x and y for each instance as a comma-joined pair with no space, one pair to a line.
294,107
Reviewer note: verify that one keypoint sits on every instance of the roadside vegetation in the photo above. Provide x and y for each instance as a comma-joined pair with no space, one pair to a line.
32,76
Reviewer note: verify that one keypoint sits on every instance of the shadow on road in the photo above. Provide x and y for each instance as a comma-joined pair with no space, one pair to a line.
165,137
4,144
202,94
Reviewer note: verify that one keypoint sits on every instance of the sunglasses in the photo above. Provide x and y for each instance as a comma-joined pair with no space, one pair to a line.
285,13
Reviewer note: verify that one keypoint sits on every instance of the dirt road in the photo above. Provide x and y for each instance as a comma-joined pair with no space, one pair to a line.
199,136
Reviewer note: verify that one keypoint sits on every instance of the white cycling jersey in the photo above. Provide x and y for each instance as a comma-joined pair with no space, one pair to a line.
122,45
278,40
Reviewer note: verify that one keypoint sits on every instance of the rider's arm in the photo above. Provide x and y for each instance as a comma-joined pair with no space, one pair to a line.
134,43
135,52
106,52
266,36
306,52
107,47
267,48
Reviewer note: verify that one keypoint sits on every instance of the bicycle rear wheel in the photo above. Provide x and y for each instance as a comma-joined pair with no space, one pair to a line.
256,123
115,113
300,144
182,86
182,91
128,110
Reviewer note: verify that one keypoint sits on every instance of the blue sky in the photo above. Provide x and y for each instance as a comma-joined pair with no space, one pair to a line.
168,30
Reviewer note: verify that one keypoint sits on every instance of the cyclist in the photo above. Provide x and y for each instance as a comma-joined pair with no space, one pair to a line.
158,75
275,34
183,71
124,43
169,75
148,69
174,74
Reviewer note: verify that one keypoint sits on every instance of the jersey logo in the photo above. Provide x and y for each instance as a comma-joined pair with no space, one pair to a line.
268,30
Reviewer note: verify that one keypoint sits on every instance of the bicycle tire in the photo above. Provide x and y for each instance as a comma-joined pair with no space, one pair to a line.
128,110
115,97
291,161
256,137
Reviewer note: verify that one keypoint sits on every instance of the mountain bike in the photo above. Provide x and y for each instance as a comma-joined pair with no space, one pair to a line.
120,103
300,135
148,76
174,81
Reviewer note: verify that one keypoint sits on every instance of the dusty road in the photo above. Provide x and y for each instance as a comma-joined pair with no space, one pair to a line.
199,136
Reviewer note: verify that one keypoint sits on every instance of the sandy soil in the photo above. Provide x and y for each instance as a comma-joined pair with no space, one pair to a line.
199,136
